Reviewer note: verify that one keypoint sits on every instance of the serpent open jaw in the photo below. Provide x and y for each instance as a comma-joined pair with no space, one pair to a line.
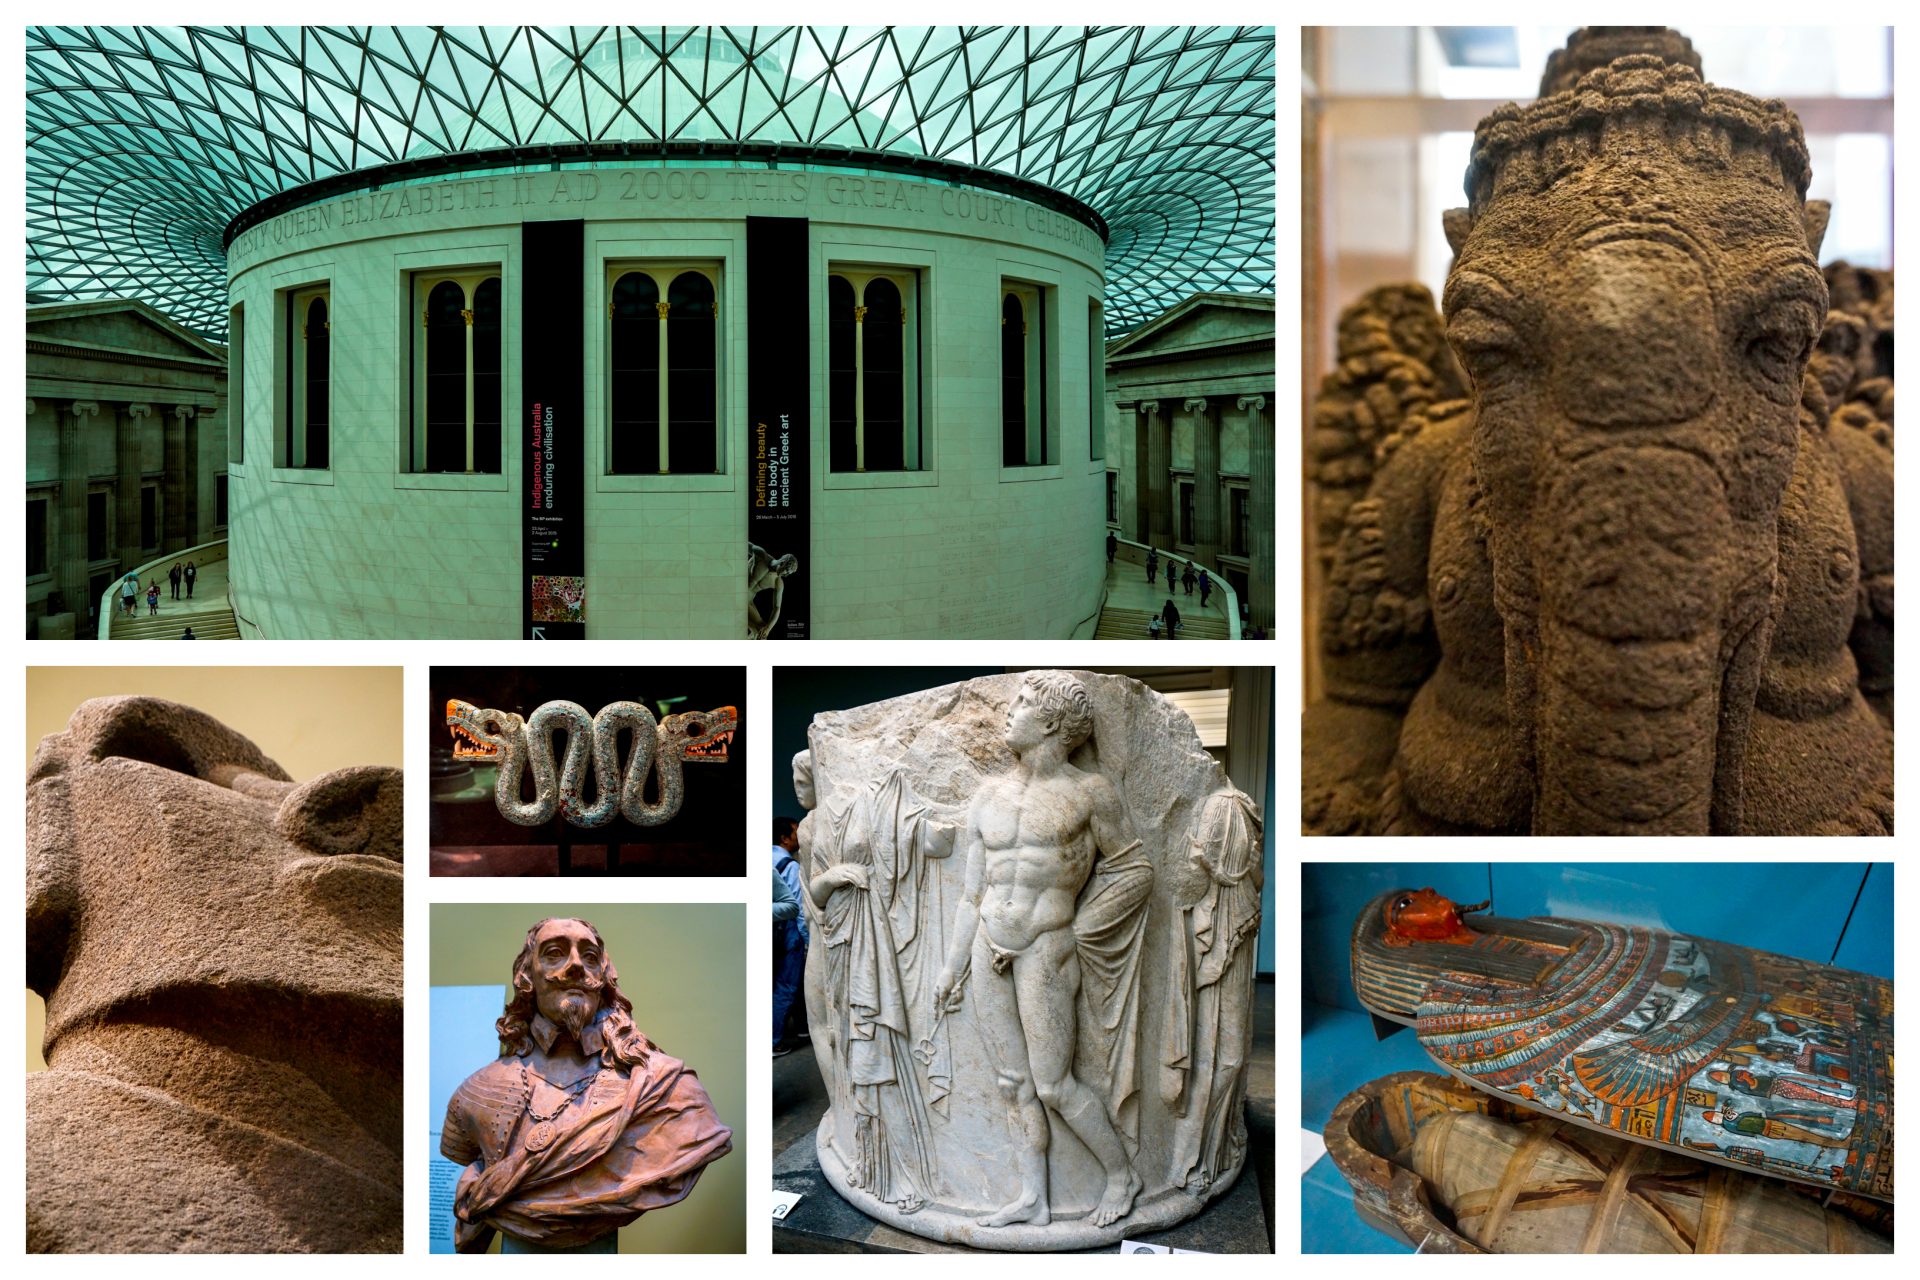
703,735
468,725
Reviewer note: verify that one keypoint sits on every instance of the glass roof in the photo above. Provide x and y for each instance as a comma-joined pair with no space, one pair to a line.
143,143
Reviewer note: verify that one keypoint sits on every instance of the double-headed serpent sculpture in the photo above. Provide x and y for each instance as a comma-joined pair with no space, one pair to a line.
503,737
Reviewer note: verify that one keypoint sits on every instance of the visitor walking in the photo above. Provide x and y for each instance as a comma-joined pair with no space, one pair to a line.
173,576
1206,588
190,574
786,909
1153,627
1153,565
1113,545
153,599
1171,616
188,634
1186,579
129,593
790,968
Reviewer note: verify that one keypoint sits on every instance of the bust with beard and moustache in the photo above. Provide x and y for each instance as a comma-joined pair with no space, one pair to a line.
581,1125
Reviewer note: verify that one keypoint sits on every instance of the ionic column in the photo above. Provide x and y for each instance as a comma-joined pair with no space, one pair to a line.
1260,562
126,485
1206,480
72,571
1156,473
175,482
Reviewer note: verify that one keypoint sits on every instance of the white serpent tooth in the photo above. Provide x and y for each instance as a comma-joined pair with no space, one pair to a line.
514,744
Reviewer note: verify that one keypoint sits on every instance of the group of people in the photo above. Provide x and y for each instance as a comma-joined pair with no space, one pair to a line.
177,576
1180,573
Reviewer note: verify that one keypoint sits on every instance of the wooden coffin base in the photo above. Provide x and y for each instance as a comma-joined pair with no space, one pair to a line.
1523,1182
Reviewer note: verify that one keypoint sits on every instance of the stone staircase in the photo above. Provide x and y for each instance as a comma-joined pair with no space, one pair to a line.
1120,623
210,621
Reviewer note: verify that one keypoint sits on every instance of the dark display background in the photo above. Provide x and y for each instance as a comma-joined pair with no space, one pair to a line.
777,345
704,838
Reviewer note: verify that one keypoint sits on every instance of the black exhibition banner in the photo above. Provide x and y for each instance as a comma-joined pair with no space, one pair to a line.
778,513
553,468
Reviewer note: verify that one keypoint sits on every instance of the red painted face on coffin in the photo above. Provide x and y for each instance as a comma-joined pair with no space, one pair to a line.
1421,915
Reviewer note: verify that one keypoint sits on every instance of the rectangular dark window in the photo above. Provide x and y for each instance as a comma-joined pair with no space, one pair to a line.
1241,508
1113,498
96,526
1186,512
220,500
149,524
36,537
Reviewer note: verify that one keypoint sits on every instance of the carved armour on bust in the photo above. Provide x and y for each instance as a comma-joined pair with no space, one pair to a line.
573,1133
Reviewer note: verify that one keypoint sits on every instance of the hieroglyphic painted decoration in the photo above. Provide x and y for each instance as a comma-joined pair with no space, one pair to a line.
502,737
1736,1055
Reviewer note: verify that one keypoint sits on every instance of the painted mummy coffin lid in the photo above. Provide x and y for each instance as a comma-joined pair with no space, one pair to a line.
1742,1057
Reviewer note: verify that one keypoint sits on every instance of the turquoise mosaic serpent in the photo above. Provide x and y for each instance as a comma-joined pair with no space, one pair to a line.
1743,1057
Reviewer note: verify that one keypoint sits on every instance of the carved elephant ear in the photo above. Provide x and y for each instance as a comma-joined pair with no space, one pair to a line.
1458,223
1814,218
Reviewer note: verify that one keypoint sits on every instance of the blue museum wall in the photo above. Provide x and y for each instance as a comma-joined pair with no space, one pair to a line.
1830,913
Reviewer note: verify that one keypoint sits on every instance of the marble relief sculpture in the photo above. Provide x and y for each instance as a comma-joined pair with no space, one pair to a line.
662,746
1034,901
582,1124
220,953
1609,546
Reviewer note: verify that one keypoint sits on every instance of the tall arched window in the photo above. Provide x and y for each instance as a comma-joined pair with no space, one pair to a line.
1026,426
302,441
663,371
843,387
883,389
691,393
457,384
635,393
486,376
446,342
1013,381
873,369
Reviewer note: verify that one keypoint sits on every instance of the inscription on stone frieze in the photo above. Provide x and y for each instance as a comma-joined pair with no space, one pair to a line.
708,191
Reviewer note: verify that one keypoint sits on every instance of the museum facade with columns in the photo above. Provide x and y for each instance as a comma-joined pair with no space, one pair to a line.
1190,398
698,332
125,452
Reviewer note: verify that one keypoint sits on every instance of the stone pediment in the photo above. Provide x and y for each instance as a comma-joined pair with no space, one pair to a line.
119,325
1202,321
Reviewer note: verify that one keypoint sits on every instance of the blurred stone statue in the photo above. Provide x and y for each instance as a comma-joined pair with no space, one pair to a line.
581,1125
220,953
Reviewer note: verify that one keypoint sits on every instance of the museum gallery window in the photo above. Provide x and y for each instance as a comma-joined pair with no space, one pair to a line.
456,372
1096,384
873,370
1239,523
1113,498
220,501
97,525
663,370
309,365
36,537
1186,513
236,385
149,516
1023,375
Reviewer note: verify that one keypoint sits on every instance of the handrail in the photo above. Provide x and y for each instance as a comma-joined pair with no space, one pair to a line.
110,598
1228,600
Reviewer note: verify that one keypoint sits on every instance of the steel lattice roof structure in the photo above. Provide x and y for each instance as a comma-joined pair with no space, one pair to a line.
145,144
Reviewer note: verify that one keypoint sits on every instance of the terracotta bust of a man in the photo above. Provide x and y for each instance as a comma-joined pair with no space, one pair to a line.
219,949
581,1125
